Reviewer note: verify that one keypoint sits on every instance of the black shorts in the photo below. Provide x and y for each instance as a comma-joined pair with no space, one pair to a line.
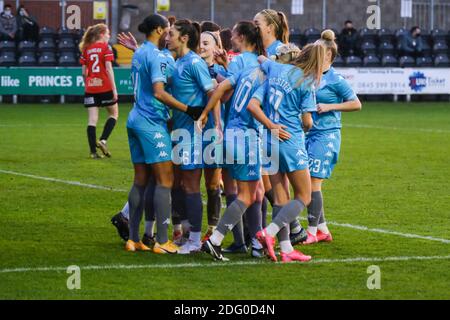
104,99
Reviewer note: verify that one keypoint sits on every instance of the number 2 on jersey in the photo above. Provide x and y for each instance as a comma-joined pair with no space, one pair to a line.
95,66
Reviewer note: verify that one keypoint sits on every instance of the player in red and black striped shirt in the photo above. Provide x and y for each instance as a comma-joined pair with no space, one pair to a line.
100,87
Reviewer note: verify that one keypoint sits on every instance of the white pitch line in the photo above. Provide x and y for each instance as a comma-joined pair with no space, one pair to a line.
368,126
224,264
344,225
72,183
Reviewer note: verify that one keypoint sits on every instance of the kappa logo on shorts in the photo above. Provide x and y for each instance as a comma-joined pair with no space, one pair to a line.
163,154
301,162
300,153
158,135
89,100
326,162
251,173
160,145
332,136
330,145
329,154
324,171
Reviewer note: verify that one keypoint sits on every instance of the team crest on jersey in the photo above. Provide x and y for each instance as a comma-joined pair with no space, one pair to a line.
163,68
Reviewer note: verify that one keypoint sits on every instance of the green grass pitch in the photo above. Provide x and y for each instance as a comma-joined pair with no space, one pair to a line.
388,204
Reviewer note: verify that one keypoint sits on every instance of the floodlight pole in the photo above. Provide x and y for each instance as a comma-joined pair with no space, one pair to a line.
269,3
213,9
324,14
62,3
431,15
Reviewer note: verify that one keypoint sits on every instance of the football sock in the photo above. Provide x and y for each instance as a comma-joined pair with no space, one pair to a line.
295,226
136,202
314,211
195,236
254,218
91,134
323,228
283,233
264,212
272,229
163,208
178,206
233,214
286,246
213,207
125,211
216,238
238,230
109,126
269,196
194,210
149,208
149,224
289,213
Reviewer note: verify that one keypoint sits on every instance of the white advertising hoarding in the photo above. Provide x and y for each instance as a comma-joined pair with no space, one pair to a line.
398,80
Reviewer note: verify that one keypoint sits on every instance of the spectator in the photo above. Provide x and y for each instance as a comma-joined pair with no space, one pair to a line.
348,40
8,24
225,37
412,44
27,26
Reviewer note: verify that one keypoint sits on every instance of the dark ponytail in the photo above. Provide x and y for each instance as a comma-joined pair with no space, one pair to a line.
151,23
192,30
251,33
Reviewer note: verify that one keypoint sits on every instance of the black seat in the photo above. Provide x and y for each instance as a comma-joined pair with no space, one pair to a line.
47,60
407,62
389,61
65,34
46,45
338,62
47,33
311,35
27,60
26,46
7,46
385,35
426,49
440,48
424,62
353,61
442,61
66,45
7,59
368,35
386,48
68,60
438,35
368,48
371,61
295,36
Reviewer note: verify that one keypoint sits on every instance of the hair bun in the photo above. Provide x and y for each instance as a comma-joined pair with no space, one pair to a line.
328,35
143,27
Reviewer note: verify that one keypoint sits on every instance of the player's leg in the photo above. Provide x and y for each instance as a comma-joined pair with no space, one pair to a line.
232,215
194,209
254,219
113,115
180,222
149,212
214,200
92,131
120,221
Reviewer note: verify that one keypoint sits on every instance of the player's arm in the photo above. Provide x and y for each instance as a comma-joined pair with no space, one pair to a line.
254,107
213,102
128,41
162,95
348,106
110,72
84,72
307,121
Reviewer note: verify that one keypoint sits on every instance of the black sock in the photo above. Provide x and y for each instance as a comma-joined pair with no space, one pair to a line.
264,212
269,196
109,126
91,133
214,205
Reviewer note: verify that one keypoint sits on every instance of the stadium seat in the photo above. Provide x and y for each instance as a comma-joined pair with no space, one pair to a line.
295,36
407,62
311,35
424,62
338,62
65,34
386,48
438,35
47,60
440,48
389,61
7,46
371,61
46,45
442,61
385,35
47,33
368,48
7,59
426,49
68,60
28,47
368,35
27,60
66,45
353,61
